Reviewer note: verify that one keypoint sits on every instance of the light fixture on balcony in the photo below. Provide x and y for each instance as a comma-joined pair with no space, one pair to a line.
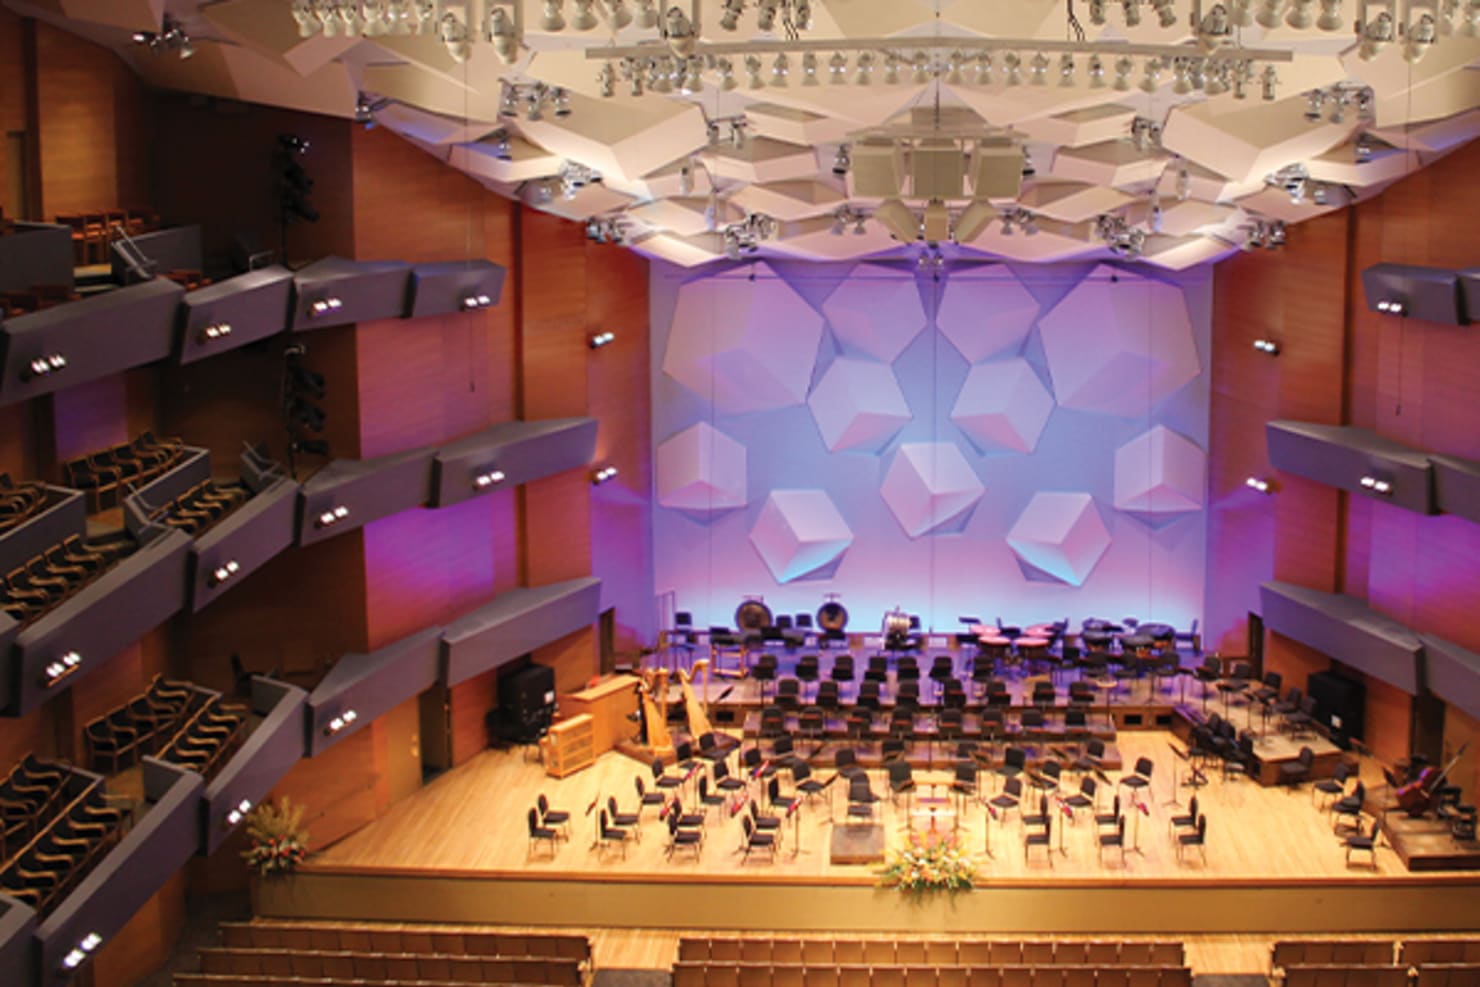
332,516
600,339
340,722
472,302
603,475
215,331
224,572
1257,483
1267,346
1377,484
57,670
490,477
79,953
238,812
1392,306
324,306
44,366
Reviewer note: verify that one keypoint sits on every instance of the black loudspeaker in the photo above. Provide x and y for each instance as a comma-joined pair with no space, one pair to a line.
1340,705
526,704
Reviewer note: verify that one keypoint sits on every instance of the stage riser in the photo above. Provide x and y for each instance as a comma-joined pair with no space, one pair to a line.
761,905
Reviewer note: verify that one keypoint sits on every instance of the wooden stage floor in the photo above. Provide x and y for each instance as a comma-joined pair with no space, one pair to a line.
458,851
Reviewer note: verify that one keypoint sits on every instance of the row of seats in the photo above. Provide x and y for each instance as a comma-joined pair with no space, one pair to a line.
144,725
1347,976
861,723
881,975
93,230
30,797
263,980
385,939
1447,975
47,579
201,506
35,298
381,967
1331,952
102,475
945,952
62,854
209,736
1415,952
19,502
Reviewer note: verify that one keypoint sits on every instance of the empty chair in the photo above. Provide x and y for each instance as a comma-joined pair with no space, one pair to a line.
842,669
803,782
646,798
1196,837
623,820
609,834
707,799
808,670
1363,842
964,782
1331,788
901,779
1297,772
1039,830
861,798
681,837
788,693
538,832
754,839
1139,781
1346,812
1014,762
723,780
555,818
1086,798
828,695
1009,798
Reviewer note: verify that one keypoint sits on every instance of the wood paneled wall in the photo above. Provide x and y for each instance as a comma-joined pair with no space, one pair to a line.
1340,363
12,103
146,941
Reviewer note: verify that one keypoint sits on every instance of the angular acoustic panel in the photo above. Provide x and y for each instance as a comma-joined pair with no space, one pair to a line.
164,835
858,406
701,469
1059,537
101,619
85,335
1160,473
875,312
454,286
249,307
800,533
350,493
521,451
1002,406
988,317
1452,673
371,686
262,760
747,343
1342,455
931,488
1457,486
335,292
1345,628
243,542
36,253
514,624
1428,293
1119,344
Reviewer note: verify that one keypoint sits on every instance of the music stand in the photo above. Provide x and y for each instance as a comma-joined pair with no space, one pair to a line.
1182,758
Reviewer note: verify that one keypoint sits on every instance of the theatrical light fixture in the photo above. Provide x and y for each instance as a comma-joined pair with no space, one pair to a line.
1256,483
603,475
842,161
477,301
44,366
1377,484
172,37
340,722
1265,234
79,953
746,236
600,339
1330,19
331,517
1267,346
1146,134
606,229
238,813
502,27
1392,306
223,572
1120,238
324,306
844,217
214,331
60,668
490,477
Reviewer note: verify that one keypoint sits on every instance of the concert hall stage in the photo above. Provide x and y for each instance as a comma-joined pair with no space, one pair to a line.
457,851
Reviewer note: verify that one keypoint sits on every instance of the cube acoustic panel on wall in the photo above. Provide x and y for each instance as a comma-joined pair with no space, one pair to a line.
878,169
996,169
937,170
1428,293
1346,629
232,313
1342,456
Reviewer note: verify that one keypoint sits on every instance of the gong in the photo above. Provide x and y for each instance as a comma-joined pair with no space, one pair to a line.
832,616
752,615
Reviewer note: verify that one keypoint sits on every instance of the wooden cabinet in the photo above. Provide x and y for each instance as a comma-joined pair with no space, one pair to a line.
607,703
569,746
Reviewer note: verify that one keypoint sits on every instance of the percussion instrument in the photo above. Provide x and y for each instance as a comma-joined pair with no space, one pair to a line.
832,617
752,615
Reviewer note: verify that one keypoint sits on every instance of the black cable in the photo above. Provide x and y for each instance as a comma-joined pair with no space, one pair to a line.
1076,29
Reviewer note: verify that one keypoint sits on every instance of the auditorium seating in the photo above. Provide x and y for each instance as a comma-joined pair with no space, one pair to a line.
208,737
35,298
1346,976
103,475
200,507
19,502
144,725
1417,952
31,589
1447,975
1338,952
391,939
376,967
61,854
30,798
924,975
93,231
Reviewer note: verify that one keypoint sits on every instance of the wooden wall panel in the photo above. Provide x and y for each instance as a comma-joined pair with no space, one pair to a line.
1293,660
17,441
574,659
400,751
1388,715
231,147
1459,728
145,942
621,401
89,417
31,734
340,789
13,88
468,706
553,348
1307,533
557,528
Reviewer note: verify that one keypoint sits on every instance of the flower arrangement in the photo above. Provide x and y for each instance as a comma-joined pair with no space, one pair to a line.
929,862
278,843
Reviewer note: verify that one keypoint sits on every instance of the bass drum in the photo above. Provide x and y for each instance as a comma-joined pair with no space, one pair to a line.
832,616
752,615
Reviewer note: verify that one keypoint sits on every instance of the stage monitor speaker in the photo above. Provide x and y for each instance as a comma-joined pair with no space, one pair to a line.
526,703
878,169
1340,705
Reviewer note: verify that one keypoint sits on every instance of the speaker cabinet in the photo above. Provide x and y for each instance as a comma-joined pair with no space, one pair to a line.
526,704
1340,705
